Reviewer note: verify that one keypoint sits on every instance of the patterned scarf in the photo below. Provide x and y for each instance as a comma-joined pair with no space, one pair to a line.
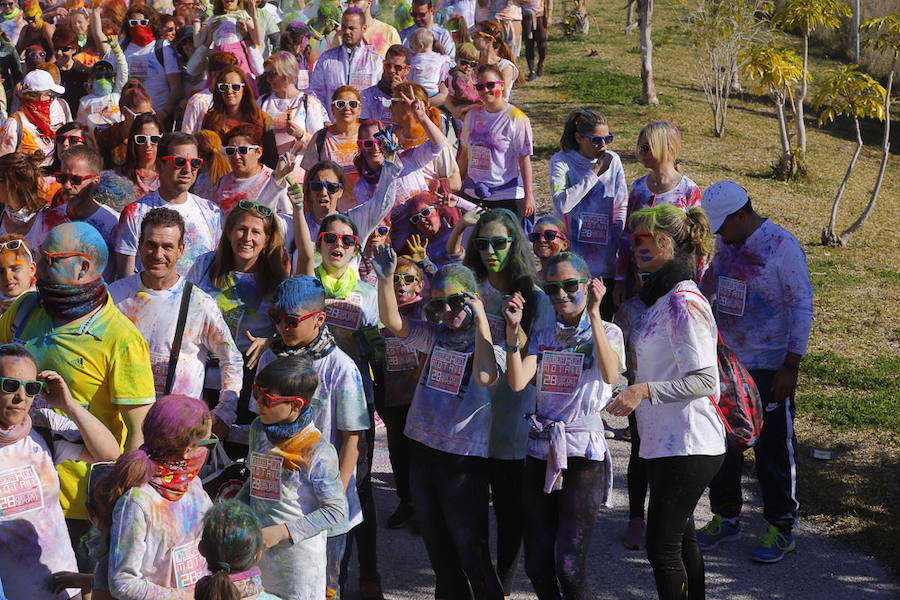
172,478
69,302
340,287
278,433
319,348
16,432
248,583
577,338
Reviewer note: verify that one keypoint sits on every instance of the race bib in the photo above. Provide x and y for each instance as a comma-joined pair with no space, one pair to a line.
344,313
399,356
97,107
731,296
560,372
159,363
445,373
480,159
594,229
265,476
302,80
360,81
498,329
20,491
279,122
139,67
189,565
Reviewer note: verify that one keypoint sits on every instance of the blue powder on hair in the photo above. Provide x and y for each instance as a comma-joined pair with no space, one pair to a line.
114,191
79,236
301,292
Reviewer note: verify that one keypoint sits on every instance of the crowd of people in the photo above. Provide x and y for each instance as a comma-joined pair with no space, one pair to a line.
270,226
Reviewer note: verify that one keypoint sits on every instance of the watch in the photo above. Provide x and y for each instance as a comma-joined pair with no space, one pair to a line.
508,348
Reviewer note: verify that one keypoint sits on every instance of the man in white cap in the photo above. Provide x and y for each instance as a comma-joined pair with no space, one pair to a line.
759,284
33,127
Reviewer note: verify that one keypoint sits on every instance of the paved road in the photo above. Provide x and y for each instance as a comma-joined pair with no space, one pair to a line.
820,569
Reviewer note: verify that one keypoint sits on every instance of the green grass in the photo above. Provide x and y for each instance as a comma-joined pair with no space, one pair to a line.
846,394
593,82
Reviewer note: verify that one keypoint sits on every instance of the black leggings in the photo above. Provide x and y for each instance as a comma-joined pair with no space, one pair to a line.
534,34
364,534
450,493
558,527
394,418
676,484
506,494
637,473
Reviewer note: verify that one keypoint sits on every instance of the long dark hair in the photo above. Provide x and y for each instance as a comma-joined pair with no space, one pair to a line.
519,273
250,112
231,542
581,121
142,119
271,268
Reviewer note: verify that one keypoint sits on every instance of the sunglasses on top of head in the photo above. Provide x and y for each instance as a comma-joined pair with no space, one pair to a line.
331,186
347,240
11,385
551,288
15,246
436,306
250,205
599,140
289,320
268,400
180,162
234,87
492,243
548,236
488,85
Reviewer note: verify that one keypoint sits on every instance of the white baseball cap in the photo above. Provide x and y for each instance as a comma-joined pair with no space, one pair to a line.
41,81
722,199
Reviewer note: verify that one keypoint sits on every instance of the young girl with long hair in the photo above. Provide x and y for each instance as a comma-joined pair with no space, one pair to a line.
549,237
152,503
658,146
567,478
589,192
489,38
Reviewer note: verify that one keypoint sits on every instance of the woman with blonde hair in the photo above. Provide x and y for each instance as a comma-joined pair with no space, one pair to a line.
22,195
488,37
658,146
215,165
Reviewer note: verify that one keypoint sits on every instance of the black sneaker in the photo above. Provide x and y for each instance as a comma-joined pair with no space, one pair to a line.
531,76
400,517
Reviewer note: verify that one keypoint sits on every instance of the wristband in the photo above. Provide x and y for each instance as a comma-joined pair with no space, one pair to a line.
508,348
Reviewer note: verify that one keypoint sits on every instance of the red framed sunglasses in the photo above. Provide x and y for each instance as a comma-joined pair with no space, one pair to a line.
268,400
289,320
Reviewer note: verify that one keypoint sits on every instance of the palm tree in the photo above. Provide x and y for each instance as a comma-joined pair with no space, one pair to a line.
777,70
849,92
808,15
887,39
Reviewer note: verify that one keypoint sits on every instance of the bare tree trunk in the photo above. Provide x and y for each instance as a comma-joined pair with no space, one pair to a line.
783,129
645,19
829,237
801,96
885,153
630,25
734,83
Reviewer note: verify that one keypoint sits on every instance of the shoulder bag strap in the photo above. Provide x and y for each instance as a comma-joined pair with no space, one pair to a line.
179,334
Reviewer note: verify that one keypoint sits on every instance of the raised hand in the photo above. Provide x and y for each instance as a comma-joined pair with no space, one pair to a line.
284,168
418,247
512,310
471,218
596,291
416,107
384,260
57,391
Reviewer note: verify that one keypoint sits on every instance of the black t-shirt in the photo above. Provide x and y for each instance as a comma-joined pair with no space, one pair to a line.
75,82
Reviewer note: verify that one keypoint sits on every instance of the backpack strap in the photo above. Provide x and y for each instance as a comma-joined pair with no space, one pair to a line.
320,141
179,334
158,51
41,426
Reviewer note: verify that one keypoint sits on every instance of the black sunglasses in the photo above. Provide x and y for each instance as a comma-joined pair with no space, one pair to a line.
549,235
180,161
468,63
436,306
331,186
492,243
551,288
11,385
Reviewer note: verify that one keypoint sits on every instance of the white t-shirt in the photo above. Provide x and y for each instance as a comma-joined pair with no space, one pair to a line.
99,111
34,541
196,108
429,69
496,142
259,188
677,335
155,314
202,220
143,65
305,110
